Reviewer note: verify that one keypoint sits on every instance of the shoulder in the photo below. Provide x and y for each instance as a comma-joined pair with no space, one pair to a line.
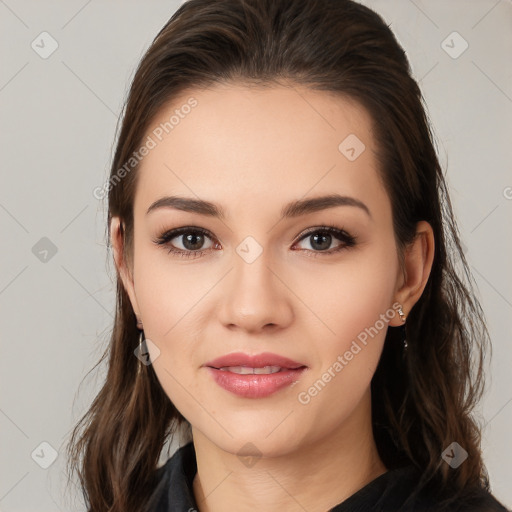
399,490
481,501
158,499
429,500
173,482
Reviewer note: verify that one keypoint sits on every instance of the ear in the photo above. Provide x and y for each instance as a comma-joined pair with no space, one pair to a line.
124,272
418,259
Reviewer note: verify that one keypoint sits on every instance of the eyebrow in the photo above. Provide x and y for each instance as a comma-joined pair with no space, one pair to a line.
290,210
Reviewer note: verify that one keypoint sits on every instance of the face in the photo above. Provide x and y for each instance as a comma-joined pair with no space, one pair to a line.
314,285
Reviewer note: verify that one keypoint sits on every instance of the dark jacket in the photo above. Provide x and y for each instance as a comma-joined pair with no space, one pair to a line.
390,492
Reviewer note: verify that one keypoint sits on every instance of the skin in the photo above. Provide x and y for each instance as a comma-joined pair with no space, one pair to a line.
252,150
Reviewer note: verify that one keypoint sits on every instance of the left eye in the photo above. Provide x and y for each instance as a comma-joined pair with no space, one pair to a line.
323,237
193,238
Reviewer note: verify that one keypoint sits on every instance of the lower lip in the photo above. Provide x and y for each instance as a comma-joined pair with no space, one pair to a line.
255,385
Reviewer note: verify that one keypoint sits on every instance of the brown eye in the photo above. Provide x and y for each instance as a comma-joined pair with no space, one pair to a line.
320,240
191,239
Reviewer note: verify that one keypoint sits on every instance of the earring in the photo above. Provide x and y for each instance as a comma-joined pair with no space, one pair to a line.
402,328
141,351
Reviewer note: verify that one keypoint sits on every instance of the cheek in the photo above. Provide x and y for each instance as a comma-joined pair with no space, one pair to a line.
168,314
354,305
168,293
351,297
170,297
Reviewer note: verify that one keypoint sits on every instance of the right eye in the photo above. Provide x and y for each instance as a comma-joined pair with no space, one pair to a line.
192,239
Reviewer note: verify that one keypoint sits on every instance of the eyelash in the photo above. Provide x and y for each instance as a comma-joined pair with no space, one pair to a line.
164,240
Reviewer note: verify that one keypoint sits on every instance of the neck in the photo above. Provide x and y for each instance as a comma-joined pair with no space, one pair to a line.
315,476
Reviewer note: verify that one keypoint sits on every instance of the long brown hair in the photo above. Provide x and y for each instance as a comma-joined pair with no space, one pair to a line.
420,406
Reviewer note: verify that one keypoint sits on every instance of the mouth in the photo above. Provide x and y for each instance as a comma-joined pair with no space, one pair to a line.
255,376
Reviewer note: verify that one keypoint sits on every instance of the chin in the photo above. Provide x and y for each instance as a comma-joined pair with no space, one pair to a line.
248,438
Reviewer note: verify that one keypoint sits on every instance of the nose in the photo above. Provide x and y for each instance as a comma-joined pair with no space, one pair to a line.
255,297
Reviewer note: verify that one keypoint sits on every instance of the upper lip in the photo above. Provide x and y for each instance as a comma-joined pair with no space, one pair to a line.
253,361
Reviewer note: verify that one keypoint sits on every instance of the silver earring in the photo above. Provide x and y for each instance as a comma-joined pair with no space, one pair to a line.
402,327
401,313
141,351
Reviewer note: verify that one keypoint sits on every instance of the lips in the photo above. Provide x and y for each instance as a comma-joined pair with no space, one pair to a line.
255,376
240,359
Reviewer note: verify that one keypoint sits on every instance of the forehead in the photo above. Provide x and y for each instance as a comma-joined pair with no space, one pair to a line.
237,143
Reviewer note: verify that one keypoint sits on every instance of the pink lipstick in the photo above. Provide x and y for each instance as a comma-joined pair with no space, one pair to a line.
254,376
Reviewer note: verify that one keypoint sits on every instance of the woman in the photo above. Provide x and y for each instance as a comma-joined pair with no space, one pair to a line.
285,246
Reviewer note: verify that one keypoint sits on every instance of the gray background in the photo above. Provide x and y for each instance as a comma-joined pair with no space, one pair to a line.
58,118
